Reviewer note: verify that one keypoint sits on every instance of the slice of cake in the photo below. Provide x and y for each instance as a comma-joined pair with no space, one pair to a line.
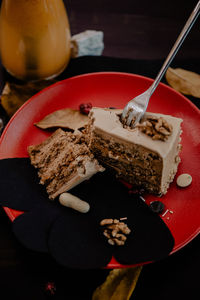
63,160
146,156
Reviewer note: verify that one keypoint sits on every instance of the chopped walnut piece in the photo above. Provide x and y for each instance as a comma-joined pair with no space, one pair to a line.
115,231
156,127
106,222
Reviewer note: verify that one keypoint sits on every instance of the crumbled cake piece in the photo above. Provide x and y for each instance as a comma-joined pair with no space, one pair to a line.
146,156
63,160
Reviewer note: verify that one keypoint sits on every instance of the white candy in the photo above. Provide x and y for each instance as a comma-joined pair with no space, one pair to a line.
69,200
184,180
89,42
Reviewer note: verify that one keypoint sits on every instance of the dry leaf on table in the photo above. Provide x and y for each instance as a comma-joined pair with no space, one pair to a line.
119,284
65,118
14,95
184,81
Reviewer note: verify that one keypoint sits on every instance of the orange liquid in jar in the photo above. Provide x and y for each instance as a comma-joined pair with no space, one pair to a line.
34,38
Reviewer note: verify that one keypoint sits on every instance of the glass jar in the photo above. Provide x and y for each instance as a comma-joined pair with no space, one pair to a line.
34,38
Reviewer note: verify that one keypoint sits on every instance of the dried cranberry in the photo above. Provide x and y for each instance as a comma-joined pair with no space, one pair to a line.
157,206
50,288
85,108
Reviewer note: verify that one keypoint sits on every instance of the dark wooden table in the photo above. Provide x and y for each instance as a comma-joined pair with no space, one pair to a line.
135,30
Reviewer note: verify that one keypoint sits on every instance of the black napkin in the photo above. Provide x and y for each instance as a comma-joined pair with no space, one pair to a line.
74,239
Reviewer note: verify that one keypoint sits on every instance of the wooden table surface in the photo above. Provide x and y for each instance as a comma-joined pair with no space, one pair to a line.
136,30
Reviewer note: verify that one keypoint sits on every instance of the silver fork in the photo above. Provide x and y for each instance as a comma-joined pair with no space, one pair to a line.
136,107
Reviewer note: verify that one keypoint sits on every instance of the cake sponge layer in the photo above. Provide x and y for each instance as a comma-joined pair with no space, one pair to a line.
63,160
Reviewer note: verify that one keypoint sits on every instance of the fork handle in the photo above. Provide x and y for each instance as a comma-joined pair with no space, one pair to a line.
176,46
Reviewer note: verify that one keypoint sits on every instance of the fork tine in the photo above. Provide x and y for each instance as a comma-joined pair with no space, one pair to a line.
125,111
131,114
137,119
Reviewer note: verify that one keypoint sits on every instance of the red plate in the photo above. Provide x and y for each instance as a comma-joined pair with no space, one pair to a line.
112,89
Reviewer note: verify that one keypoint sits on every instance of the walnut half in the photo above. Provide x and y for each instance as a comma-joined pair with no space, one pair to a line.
115,231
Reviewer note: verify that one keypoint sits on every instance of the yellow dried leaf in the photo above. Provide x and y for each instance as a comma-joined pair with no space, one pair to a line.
119,284
184,81
64,118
